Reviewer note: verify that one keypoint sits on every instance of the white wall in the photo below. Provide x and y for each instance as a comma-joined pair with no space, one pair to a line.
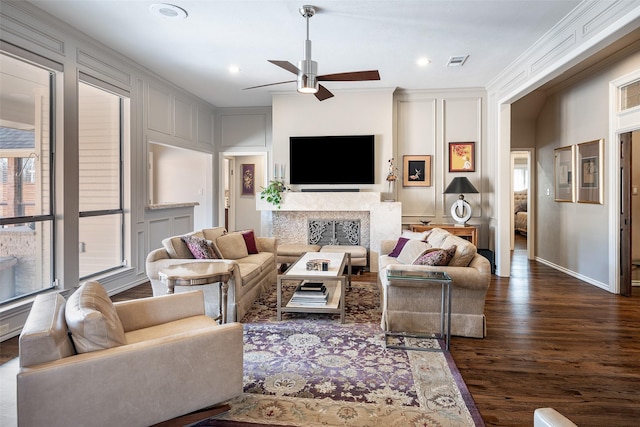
426,122
348,113
182,175
405,123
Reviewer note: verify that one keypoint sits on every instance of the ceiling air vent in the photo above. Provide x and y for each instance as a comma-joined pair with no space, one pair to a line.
457,61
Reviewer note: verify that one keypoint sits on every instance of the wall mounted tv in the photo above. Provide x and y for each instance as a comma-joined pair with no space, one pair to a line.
348,159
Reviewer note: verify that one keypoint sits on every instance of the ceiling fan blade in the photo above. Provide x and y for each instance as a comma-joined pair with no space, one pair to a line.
269,84
354,76
286,65
323,93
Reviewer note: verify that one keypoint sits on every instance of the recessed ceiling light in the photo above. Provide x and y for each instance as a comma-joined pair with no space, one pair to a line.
234,69
168,11
423,62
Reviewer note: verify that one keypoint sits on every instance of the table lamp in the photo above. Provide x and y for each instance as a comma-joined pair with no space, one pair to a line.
461,209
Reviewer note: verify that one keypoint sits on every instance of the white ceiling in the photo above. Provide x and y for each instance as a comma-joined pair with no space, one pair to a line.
195,53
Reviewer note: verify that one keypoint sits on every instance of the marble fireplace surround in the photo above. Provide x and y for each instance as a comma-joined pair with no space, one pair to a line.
378,220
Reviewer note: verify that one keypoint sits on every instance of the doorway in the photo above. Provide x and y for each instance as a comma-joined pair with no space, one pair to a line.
237,205
522,199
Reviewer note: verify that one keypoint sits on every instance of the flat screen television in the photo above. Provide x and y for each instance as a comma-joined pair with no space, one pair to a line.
345,159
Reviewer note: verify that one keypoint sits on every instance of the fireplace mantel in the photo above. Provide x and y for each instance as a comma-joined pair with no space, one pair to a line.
385,218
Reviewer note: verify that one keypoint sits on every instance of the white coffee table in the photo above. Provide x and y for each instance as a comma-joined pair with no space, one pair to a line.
334,279
200,273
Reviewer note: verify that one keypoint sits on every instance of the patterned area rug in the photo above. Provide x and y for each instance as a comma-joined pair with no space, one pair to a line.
311,370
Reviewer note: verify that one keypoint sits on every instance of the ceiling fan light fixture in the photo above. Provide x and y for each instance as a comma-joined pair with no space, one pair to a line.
307,85
307,77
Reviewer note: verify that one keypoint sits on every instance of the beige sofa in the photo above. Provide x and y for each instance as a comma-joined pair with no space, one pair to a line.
252,273
417,309
171,360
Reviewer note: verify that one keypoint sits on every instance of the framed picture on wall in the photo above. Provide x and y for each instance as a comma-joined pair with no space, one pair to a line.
416,171
248,179
462,157
590,187
563,174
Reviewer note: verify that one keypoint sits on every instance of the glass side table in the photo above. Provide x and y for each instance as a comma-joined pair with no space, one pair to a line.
419,278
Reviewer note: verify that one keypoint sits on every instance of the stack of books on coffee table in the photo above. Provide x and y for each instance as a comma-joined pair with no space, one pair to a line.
310,294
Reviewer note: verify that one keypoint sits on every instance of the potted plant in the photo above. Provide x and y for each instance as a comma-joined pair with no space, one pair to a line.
272,193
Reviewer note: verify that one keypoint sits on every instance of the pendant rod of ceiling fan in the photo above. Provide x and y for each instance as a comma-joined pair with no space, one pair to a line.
307,42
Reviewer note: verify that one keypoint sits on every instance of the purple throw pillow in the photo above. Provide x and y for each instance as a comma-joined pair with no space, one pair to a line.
437,257
396,251
199,247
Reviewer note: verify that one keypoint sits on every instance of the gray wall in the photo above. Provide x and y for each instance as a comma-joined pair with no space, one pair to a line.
574,236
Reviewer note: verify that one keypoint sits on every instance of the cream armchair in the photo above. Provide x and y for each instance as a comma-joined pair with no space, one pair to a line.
175,361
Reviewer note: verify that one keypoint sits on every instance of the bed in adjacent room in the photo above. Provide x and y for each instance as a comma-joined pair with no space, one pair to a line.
520,210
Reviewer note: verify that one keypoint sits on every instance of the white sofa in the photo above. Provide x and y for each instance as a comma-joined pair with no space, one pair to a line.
252,273
417,309
133,363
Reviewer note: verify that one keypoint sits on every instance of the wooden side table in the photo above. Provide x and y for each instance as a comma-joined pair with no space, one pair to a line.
200,273
468,232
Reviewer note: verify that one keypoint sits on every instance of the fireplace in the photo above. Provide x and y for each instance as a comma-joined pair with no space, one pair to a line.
333,232
290,224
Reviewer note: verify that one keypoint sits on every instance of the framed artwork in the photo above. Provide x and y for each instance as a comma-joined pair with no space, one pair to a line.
462,157
416,171
563,174
590,186
248,179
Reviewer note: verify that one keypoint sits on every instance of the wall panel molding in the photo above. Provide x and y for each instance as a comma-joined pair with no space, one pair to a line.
16,29
103,68
159,117
183,120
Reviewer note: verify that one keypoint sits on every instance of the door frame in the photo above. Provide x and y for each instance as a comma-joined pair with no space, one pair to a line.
232,157
620,122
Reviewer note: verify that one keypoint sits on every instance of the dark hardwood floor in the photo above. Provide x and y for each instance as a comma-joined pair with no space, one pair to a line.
552,340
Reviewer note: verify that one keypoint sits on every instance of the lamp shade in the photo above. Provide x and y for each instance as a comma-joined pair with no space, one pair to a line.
460,185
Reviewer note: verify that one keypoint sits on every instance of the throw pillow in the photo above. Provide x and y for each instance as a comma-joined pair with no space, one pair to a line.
232,246
199,247
436,257
250,240
412,251
399,245
422,235
92,319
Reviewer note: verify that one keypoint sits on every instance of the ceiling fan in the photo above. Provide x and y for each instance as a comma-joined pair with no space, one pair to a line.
307,70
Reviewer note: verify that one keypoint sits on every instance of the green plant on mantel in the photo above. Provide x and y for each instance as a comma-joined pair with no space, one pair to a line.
272,193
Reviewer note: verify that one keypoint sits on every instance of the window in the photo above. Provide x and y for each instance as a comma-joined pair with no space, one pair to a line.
630,95
101,229
26,178
520,179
